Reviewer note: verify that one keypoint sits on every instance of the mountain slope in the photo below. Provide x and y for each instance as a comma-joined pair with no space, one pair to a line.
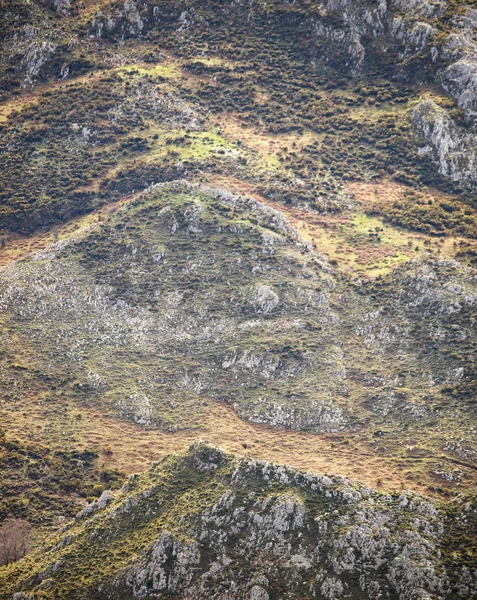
370,82
188,293
209,524
253,222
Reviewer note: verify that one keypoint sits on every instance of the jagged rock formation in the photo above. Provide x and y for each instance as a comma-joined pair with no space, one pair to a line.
207,524
452,148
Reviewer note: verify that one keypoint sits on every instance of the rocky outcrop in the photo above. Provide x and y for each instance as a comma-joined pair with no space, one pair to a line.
254,530
36,55
452,148
99,504
169,568
59,6
459,78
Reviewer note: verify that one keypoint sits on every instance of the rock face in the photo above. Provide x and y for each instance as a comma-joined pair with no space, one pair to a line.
60,6
170,567
460,48
452,148
250,530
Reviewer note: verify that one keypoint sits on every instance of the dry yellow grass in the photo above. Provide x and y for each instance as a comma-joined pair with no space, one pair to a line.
350,454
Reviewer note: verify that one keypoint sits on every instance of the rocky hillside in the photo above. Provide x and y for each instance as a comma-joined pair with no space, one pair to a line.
380,88
188,292
208,524
253,222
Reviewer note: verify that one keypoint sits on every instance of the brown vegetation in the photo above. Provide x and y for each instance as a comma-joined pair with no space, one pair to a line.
15,539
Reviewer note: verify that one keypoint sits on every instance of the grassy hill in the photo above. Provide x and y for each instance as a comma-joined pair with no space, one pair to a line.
188,294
